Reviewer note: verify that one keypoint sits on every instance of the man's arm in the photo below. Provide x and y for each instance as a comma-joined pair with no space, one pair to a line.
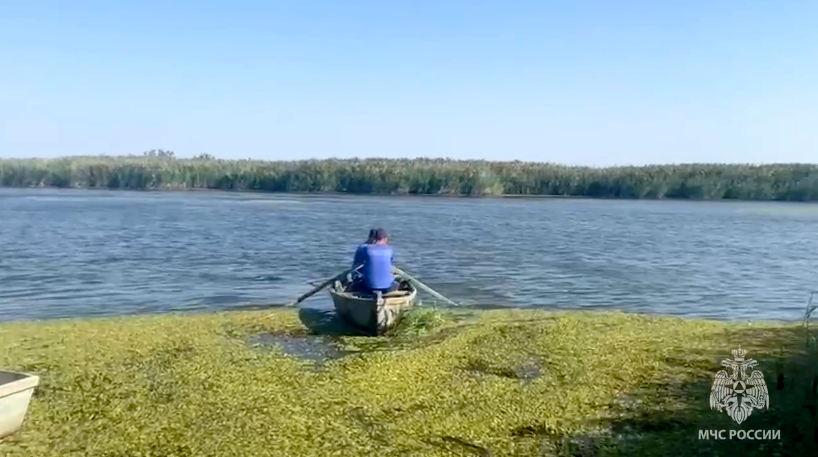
359,257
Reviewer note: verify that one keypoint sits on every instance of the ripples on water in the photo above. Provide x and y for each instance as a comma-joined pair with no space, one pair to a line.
82,253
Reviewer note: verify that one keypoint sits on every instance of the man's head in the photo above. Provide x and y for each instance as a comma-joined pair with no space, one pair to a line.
380,236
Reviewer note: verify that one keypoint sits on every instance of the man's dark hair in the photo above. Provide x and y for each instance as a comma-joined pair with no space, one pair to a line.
380,234
371,238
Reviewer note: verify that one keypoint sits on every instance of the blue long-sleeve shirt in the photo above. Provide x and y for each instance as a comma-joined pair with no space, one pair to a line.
377,264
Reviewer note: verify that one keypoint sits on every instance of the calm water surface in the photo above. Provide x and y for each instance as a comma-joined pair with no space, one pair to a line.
83,253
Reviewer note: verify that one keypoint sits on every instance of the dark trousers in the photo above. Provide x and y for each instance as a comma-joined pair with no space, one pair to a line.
393,287
360,285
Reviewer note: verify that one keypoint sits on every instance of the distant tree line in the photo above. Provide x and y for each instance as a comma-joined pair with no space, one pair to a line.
159,153
160,169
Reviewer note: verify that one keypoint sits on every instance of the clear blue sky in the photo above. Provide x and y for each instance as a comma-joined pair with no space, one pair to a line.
585,82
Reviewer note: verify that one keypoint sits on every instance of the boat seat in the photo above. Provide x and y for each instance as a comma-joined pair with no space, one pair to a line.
397,293
394,294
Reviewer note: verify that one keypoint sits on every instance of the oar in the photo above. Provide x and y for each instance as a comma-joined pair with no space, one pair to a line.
422,286
324,284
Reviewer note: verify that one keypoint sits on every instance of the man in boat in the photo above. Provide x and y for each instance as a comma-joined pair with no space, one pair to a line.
356,277
359,253
376,265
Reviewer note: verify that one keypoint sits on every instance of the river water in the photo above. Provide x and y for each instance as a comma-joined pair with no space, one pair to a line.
68,253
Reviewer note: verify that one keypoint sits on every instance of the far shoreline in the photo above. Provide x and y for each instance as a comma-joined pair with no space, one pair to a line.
452,196
160,170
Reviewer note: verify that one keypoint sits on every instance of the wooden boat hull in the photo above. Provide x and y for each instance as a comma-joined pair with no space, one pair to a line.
15,394
363,311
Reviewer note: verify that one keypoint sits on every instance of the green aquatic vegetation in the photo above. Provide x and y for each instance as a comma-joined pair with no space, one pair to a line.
418,321
500,383
790,182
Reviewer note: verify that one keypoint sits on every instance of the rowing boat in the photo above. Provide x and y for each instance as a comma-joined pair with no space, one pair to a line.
366,312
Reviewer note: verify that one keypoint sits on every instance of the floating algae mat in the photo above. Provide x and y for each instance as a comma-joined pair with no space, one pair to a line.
501,383
527,371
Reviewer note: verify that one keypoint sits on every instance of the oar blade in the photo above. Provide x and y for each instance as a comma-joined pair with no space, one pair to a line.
424,287
323,285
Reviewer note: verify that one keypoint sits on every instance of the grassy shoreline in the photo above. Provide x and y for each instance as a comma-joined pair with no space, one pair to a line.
780,182
500,383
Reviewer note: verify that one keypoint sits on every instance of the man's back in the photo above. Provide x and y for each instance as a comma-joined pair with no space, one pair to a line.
377,270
